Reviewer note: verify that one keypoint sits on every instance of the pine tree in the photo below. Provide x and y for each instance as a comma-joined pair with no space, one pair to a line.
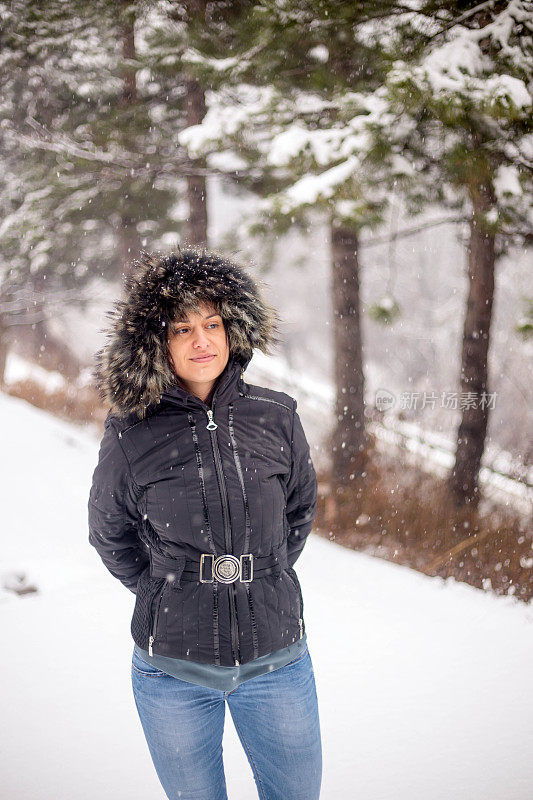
95,124
460,113
89,116
168,40
443,118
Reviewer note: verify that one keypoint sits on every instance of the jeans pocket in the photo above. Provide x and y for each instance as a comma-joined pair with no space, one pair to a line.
299,657
142,667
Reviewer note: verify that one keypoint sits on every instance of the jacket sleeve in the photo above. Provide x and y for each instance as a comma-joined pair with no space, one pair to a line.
301,492
113,515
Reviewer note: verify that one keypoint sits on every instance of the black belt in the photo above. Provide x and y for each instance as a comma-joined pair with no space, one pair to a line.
225,568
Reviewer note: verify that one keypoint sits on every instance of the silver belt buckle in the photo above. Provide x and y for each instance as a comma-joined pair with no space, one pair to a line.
247,580
226,568
203,559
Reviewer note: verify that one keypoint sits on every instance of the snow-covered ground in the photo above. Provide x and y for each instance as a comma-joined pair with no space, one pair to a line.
21,369
424,685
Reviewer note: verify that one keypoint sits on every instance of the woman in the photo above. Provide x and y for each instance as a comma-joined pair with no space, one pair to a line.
201,502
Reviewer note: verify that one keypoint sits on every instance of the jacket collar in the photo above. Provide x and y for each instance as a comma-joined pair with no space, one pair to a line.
229,385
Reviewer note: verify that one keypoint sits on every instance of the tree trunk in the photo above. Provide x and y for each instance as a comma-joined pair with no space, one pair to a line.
129,88
472,429
196,228
349,441
3,351
128,238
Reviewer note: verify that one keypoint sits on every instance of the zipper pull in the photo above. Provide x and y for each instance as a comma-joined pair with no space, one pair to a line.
300,623
236,662
150,643
211,425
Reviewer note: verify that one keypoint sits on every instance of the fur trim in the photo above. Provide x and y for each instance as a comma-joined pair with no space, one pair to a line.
132,369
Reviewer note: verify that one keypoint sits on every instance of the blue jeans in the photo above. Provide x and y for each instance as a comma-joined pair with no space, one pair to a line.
276,718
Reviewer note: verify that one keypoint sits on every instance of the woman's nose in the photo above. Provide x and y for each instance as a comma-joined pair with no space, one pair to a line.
201,339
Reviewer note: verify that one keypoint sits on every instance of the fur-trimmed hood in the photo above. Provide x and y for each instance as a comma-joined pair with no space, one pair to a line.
132,369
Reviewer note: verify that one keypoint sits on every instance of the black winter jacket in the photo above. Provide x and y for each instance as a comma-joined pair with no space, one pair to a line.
186,480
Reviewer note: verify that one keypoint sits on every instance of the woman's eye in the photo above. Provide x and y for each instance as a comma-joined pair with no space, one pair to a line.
185,330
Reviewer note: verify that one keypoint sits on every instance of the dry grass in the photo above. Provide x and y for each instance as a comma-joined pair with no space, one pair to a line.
72,403
406,516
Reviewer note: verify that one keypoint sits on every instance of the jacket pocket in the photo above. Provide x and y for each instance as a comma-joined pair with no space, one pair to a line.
146,611
155,608
294,578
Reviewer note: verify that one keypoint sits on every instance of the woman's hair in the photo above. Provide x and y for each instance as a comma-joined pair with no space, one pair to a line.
133,369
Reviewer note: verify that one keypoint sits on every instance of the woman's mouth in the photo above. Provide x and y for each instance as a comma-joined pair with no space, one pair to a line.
202,359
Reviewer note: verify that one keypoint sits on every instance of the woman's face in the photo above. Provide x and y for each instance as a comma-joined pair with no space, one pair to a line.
199,349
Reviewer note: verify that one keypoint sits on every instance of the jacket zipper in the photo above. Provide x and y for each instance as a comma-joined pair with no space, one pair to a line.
265,400
247,522
211,427
151,638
